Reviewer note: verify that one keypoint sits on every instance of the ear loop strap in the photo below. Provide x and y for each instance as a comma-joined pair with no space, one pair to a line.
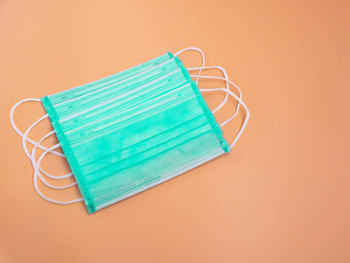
236,98
25,136
227,93
14,126
207,67
37,174
227,87
32,157
24,140
42,179
193,49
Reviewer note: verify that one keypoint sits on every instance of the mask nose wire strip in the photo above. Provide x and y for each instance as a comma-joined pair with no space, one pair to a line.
36,174
35,164
30,156
14,126
227,86
239,100
193,49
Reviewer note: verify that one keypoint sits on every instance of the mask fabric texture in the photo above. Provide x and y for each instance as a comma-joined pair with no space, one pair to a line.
133,130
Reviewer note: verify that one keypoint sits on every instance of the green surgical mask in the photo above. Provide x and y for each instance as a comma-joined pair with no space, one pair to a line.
130,131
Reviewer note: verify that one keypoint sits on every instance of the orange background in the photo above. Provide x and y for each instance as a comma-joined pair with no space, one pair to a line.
282,195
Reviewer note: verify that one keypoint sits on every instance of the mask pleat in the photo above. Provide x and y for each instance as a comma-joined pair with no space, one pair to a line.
129,159
114,90
134,145
145,156
115,106
122,137
126,177
178,96
67,95
107,196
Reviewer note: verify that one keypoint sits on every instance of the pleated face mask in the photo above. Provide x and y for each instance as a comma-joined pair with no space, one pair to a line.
133,130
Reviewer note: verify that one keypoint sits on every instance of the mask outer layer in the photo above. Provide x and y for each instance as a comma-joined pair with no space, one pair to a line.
133,130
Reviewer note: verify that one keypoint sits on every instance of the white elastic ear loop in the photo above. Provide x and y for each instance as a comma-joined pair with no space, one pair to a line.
19,132
228,120
227,87
230,82
35,179
211,67
25,139
195,49
35,164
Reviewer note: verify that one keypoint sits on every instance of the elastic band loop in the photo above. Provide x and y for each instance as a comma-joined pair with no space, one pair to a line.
42,179
229,119
19,132
211,67
30,156
36,174
25,139
195,49
227,87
